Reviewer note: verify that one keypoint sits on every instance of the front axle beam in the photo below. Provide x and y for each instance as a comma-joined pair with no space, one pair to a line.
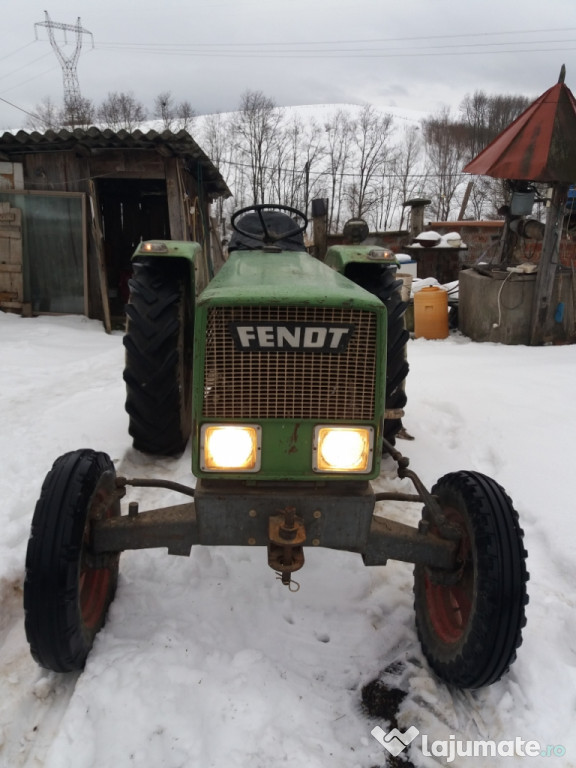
180,527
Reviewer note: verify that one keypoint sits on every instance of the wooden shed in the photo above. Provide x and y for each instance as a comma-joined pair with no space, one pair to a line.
75,204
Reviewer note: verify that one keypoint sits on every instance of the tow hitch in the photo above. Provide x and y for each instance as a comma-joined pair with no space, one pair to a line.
286,534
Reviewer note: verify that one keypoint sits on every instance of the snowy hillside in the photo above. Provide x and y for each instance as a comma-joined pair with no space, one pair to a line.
322,112
208,661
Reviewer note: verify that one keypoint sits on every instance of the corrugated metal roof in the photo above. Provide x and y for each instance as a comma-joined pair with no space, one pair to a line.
540,145
179,144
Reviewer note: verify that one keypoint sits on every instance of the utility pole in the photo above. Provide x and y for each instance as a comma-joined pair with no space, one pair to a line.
68,63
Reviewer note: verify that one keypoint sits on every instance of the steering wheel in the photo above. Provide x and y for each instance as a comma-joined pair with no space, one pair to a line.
267,236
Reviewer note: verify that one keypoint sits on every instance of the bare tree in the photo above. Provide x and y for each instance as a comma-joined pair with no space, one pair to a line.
173,115
370,142
121,111
257,130
446,152
312,153
409,172
215,140
47,116
78,113
504,109
293,160
283,164
165,109
75,113
387,193
338,138
353,161
475,115
484,117
185,115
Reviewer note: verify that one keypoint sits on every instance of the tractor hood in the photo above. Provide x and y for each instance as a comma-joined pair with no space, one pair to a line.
296,278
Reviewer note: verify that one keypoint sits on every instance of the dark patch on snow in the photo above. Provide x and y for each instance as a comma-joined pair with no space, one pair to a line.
381,699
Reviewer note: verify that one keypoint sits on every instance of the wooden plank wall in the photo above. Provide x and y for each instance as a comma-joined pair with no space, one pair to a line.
11,284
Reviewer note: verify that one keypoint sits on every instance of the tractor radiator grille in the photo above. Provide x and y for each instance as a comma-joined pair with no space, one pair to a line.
290,384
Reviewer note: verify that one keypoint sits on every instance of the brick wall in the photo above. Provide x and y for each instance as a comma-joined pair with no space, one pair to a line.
396,240
482,239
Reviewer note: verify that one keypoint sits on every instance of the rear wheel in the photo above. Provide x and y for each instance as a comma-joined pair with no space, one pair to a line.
158,372
470,622
67,590
381,280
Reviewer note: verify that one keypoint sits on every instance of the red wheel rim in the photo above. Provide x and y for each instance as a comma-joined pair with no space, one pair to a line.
450,605
94,583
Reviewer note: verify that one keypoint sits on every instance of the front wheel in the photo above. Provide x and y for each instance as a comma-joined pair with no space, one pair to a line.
67,591
470,622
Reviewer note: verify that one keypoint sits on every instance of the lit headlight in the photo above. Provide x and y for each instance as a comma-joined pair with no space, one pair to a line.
343,449
153,246
234,448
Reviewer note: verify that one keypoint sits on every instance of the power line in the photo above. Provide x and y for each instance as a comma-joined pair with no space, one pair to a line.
331,55
339,174
24,66
202,47
31,114
23,82
7,56
310,49
353,41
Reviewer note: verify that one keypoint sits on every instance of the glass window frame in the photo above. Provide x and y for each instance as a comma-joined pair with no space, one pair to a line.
12,195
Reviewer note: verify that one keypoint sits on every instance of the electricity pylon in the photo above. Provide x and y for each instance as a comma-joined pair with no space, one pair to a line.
68,63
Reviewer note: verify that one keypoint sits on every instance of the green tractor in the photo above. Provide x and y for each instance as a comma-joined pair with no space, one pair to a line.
287,374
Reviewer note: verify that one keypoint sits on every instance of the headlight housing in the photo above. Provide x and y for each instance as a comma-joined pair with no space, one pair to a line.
230,447
343,449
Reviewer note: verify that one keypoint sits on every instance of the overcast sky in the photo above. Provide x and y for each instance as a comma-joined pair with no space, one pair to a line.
417,55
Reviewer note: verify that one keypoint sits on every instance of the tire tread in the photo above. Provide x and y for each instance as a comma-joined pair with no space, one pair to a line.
495,629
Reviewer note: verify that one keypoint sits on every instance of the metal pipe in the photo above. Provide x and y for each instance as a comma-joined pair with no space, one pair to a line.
392,496
137,482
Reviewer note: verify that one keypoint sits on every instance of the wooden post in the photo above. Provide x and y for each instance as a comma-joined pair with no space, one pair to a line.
542,307
98,240
176,213
320,227
465,200
508,243
416,205
217,245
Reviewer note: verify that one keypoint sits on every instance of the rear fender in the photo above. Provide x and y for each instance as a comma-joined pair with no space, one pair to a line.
340,256
186,253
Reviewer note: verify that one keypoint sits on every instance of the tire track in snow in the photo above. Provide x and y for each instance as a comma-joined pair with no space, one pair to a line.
32,700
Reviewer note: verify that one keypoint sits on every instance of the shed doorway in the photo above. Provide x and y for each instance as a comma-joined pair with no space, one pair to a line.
131,210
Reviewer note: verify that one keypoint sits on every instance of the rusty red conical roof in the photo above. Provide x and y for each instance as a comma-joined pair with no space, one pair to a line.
540,145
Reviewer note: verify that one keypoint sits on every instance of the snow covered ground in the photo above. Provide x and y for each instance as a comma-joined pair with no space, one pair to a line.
207,661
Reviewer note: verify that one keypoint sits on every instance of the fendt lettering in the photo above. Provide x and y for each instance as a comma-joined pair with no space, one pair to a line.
290,337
